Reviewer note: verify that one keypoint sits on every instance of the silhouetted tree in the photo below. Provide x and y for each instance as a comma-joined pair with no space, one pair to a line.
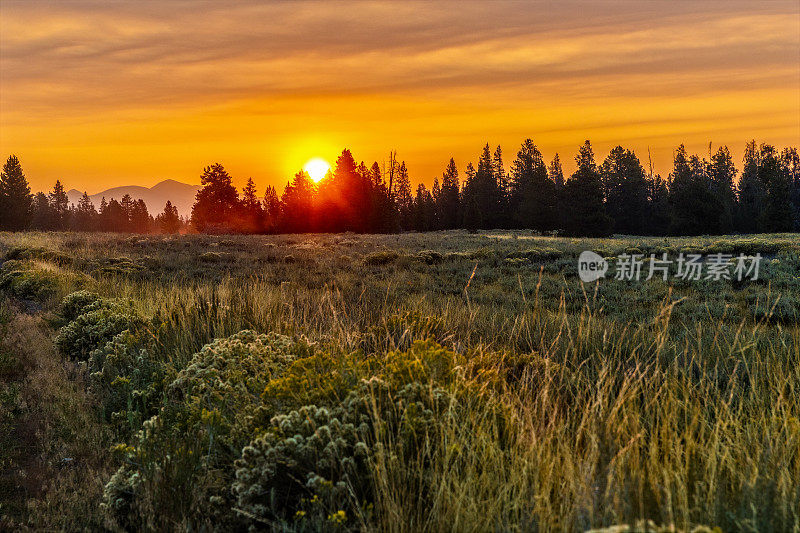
556,175
626,191
85,216
790,164
423,209
252,214
271,208
533,194
42,217
722,173
448,201
694,209
297,204
658,220
217,203
403,198
752,192
15,197
169,221
59,204
583,195
777,215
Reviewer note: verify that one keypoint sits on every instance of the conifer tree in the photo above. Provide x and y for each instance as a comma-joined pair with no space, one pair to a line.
85,214
533,194
168,220
15,197
752,192
271,210
59,204
217,203
777,216
448,203
42,215
403,198
626,191
586,213
722,173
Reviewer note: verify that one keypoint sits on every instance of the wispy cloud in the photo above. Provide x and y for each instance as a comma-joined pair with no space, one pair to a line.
80,73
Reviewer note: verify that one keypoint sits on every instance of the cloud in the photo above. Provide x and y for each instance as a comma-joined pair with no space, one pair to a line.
74,73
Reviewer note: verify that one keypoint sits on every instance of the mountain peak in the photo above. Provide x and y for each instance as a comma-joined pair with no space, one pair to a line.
182,195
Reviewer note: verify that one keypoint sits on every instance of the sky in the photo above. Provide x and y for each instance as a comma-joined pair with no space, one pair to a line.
102,94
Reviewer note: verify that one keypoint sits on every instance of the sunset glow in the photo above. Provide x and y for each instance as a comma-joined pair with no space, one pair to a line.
104,94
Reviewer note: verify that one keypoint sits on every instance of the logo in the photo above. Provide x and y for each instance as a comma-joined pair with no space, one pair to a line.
591,266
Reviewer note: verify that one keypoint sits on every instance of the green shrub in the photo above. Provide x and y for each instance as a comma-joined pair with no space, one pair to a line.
383,257
99,324
127,380
185,454
75,304
30,284
317,464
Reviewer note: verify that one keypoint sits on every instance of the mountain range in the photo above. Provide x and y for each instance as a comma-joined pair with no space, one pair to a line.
182,196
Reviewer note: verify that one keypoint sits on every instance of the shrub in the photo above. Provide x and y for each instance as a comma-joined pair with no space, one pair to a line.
383,257
75,304
429,257
127,380
99,324
316,463
184,455
30,284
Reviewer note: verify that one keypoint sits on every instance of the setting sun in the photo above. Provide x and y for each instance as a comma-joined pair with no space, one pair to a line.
317,168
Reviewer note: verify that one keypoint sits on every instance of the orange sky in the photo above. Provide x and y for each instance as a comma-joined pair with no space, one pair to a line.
102,94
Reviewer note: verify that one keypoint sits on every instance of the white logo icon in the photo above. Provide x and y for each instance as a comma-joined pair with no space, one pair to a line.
591,266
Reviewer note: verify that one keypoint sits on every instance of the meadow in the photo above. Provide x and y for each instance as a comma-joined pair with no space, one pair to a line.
443,381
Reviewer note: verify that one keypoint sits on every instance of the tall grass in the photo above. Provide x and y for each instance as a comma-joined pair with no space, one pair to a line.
683,411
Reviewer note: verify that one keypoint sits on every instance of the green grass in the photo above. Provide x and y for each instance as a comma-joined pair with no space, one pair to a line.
569,406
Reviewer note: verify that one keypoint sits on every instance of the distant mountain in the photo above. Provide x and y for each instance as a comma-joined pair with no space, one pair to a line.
180,194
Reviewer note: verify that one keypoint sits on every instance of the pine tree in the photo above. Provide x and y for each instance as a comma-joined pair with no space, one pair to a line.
533,194
694,209
555,173
403,198
448,203
584,198
42,214
15,197
271,210
722,173
777,216
168,220
502,218
59,203
85,214
297,205
752,192
217,203
790,165
626,191
252,213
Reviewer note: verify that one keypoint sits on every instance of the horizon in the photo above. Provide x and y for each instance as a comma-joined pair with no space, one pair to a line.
101,96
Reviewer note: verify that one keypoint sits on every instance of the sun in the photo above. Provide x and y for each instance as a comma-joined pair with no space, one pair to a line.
317,168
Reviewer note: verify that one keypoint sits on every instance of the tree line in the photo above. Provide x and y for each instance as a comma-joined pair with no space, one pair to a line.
618,195
21,210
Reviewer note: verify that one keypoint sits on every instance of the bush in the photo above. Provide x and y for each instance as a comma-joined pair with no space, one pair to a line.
127,380
316,465
185,454
99,324
30,284
383,257
75,304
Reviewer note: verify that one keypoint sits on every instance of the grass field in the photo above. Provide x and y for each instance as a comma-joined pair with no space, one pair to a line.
416,382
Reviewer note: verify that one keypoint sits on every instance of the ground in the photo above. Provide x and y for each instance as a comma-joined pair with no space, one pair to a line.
571,405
